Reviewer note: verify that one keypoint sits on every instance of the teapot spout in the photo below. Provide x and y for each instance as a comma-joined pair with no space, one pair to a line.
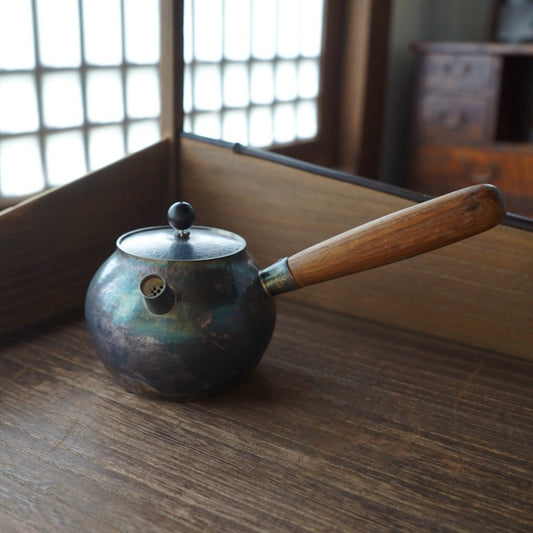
277,278
158,297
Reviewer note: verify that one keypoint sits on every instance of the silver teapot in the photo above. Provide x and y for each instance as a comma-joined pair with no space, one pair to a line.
182,312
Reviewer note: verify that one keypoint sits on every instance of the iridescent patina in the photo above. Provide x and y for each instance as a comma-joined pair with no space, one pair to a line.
214,335
179,313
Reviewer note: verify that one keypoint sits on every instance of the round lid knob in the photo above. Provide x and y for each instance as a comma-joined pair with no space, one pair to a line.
181,217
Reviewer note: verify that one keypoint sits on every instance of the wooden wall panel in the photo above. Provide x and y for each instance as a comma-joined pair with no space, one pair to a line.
52,244
478,292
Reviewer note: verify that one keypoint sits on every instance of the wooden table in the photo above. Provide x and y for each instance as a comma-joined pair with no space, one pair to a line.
345,426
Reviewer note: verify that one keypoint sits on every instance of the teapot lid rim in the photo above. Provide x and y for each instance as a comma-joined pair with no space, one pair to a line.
200,243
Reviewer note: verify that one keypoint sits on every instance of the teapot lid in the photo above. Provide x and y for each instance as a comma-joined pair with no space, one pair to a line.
181,241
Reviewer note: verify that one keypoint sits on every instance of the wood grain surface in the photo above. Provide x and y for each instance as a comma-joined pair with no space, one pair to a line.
52,244
477,292
344,426
403,234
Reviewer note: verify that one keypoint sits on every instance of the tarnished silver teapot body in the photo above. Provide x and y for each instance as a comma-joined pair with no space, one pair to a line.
178,319
214,334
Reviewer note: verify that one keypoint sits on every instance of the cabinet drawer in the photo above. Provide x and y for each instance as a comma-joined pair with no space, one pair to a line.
441,118
452,167
440,169
450,72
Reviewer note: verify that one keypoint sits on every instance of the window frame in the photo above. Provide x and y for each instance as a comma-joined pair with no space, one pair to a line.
352,85
352,96
83,71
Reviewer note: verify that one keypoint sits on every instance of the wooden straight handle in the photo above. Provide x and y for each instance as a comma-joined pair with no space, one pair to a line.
406,233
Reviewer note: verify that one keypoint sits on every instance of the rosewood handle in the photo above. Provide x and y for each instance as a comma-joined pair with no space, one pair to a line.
406,233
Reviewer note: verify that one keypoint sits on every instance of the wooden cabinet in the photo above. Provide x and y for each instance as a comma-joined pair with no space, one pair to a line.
473,120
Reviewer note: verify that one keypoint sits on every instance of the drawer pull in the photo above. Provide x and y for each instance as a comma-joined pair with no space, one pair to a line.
457,70
452,120
477,175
